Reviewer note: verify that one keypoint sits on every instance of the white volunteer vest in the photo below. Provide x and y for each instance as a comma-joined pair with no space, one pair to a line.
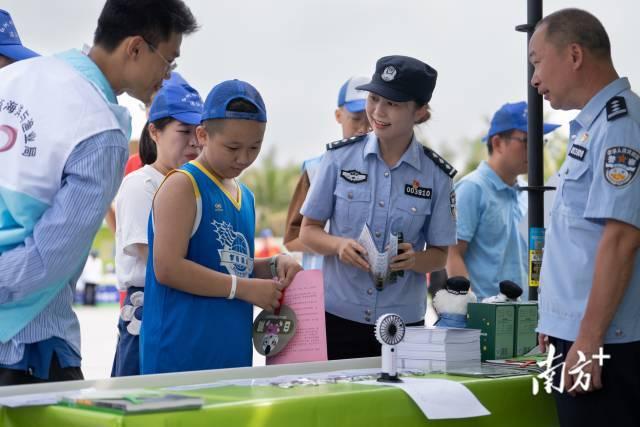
46,109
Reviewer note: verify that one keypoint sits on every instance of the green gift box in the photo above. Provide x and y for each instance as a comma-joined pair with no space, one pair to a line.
524,337
497,323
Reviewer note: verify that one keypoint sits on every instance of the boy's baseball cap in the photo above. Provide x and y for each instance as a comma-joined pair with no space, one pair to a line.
513,116
178,101
353,99
10,44
215,106
401,79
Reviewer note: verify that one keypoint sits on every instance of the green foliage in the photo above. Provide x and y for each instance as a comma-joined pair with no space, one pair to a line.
104,243
555,150
273,188
473,150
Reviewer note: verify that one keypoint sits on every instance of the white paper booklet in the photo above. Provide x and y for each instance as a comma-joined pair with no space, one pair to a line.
379,261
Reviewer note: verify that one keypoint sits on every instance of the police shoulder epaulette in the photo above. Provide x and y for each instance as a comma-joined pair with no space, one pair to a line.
616,108
344,142
440,162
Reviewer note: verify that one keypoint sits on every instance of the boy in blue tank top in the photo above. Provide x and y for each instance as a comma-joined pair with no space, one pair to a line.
202,280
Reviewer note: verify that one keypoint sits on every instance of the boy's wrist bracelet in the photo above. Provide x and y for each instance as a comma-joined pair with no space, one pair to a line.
234,286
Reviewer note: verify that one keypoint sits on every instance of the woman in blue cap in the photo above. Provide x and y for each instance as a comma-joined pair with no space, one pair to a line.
167,142
384,183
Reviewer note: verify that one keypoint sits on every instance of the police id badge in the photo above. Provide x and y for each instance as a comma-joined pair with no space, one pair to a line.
620,165
273,331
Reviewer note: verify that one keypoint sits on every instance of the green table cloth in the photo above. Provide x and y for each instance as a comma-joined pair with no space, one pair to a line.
509,400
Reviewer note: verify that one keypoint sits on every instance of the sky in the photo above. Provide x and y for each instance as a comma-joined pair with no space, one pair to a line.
299,52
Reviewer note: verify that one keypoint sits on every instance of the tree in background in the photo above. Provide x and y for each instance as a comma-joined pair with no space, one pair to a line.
471,151
273,187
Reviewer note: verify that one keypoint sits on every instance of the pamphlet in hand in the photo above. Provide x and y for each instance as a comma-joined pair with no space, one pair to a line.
379,261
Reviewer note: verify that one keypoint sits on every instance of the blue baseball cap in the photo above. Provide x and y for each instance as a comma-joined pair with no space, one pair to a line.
175,79
513,116
178,101
10,44
351,98
401,79
215,106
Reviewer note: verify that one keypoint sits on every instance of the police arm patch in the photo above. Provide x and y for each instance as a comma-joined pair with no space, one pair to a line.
452,202
620,165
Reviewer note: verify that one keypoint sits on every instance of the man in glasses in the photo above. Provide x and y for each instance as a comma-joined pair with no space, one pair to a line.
63,147
490,206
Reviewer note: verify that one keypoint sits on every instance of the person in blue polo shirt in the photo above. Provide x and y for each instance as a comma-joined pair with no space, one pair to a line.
352,118
490,248
389,182
590,278
11,48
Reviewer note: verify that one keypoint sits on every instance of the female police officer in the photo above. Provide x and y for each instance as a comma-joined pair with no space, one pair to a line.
391,183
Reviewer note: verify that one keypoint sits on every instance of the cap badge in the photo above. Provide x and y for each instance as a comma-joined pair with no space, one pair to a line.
389,73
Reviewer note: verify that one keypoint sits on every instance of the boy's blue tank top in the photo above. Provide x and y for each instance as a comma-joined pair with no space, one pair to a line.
186,332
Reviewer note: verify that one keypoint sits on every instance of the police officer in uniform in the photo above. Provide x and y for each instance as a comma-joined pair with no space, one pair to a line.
590,278
389,182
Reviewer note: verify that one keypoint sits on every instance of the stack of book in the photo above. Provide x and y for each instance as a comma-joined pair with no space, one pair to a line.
439,349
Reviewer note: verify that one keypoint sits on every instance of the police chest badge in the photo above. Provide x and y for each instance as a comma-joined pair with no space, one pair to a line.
415,190
620,165
353,176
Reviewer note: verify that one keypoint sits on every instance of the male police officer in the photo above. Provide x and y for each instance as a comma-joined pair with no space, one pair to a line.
352,118
590,279
11,48
490,248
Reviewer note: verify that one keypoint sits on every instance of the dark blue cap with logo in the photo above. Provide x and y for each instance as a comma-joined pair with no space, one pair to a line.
178,101
401,79
513,116
10,44
215,106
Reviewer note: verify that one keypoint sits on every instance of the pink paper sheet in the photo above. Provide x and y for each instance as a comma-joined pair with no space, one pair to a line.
305,296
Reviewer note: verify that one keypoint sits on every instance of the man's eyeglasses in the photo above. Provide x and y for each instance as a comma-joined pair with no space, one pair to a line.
170,65
523,140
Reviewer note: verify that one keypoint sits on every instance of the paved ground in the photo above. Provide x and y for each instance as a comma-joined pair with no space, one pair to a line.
99,333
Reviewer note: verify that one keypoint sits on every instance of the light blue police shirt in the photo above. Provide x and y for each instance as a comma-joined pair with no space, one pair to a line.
598,181
355,186
311,260
489,211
